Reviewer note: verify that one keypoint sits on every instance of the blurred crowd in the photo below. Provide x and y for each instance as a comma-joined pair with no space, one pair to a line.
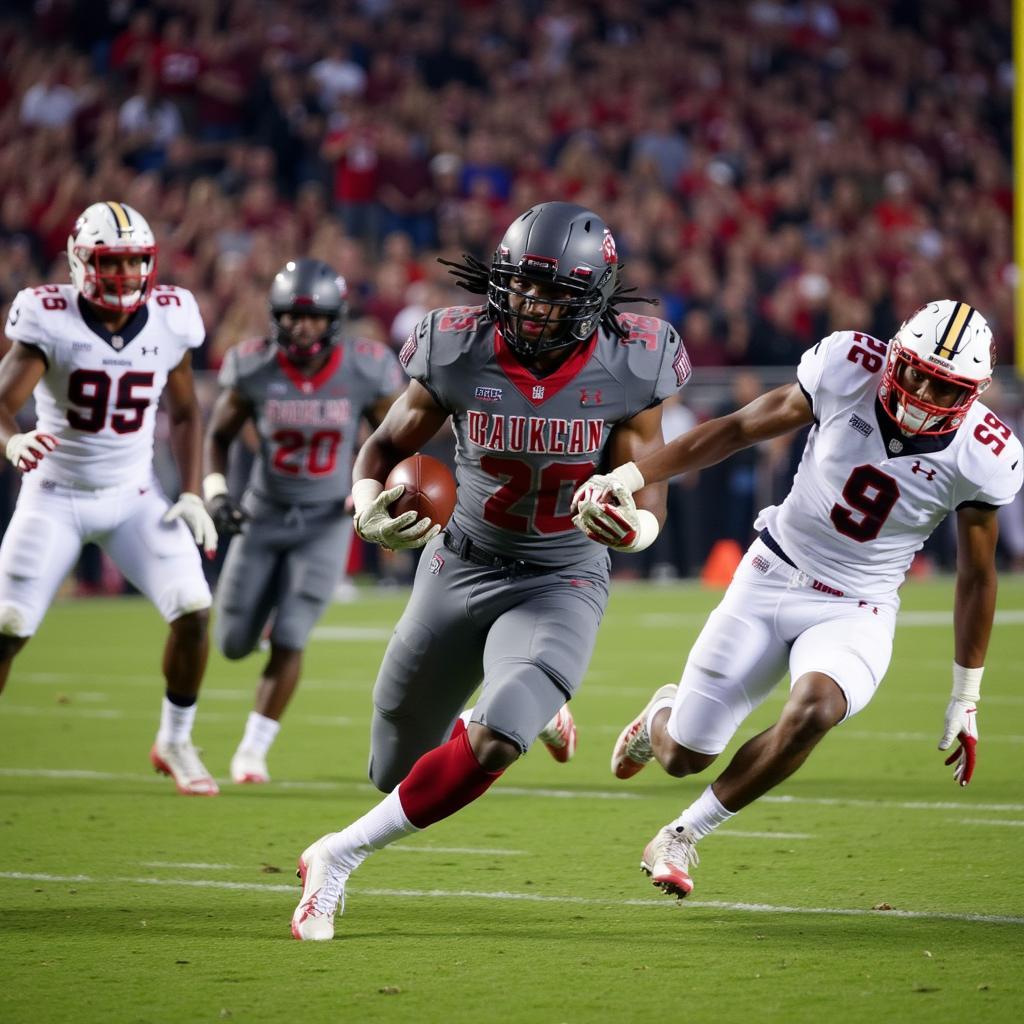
772,170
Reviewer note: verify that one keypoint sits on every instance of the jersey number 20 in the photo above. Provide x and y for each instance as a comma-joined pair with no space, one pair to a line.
871,495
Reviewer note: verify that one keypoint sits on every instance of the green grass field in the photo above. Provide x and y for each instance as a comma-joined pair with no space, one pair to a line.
121,901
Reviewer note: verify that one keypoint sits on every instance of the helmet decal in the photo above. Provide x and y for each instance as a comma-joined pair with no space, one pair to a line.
608,247
950,341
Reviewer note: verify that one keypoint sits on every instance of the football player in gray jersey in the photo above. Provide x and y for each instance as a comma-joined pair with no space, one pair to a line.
544,382
305,388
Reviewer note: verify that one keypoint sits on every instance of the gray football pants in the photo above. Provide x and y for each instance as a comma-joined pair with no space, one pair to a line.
528,639
286,565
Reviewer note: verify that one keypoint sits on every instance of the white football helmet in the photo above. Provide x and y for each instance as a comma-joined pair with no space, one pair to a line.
106,229
951,344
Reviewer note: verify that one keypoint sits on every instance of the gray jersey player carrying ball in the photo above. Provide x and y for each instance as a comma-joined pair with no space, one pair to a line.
543,383
304,387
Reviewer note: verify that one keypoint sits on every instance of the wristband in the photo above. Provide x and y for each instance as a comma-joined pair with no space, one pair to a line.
647,530
214,485
630,477
967,683
364,492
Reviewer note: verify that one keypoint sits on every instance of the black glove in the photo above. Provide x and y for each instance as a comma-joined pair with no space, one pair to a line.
226,515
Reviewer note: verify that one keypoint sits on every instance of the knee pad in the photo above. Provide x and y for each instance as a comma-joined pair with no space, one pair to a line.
519,702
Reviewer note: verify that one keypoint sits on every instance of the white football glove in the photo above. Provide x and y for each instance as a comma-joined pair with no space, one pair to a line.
190,509
962,725
621,484
615,526
374,523
26,451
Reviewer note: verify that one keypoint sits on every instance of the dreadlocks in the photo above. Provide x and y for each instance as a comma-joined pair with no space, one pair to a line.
474,275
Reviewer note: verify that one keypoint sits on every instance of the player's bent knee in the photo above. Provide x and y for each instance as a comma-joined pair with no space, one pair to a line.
192,627
680,761
815,706
493,751
235,645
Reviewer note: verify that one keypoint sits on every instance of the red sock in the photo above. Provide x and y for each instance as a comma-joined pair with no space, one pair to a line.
458,728
443,781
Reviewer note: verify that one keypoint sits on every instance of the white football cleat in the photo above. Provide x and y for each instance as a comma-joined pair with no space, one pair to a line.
668,857
559,735
323,894
632,750
181,762
249,767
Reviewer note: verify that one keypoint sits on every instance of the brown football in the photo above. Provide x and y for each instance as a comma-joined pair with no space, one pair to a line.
429,488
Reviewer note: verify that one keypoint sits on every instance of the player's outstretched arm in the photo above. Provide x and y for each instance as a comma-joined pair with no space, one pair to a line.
186,437
775,413
973,611
409,424
230,413
21,369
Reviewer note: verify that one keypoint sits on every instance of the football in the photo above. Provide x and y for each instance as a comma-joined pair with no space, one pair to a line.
429,488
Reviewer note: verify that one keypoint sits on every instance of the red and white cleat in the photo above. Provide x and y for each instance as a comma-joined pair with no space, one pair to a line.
181,762
249,767
632,750
559,735
323,895
667,859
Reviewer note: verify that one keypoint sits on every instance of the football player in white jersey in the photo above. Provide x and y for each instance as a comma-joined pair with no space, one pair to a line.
898,442
97,354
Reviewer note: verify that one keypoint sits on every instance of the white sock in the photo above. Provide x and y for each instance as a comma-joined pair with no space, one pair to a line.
260,733
704,815
377,828
665,702
175,723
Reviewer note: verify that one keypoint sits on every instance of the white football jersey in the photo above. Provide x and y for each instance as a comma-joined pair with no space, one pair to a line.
866,496
100,391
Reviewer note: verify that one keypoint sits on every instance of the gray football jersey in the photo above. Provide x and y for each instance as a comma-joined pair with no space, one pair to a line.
525,443
308,426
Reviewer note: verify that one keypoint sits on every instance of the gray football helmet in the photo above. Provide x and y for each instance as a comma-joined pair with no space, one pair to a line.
308,287
566,247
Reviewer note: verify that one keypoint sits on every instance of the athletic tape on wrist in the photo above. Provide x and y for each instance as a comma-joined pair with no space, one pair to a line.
214,485
967,682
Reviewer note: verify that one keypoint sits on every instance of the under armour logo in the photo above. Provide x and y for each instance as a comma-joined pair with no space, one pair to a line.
587,399
538,393
918,468
146,351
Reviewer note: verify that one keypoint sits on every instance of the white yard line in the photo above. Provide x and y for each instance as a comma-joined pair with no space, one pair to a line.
551,794
991,821
526,897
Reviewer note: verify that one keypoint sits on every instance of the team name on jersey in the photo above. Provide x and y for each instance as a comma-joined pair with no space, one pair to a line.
535,434
304,412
